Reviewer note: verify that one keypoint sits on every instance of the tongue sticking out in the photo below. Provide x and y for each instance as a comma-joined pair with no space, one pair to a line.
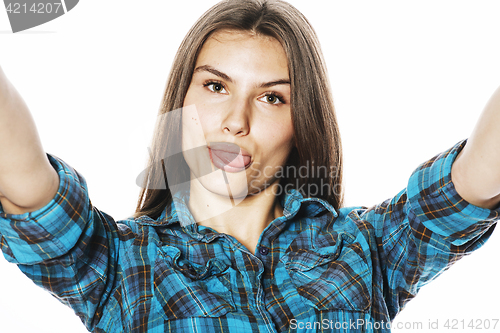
229,157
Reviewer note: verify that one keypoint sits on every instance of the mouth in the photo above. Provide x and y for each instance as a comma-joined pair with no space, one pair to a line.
229,156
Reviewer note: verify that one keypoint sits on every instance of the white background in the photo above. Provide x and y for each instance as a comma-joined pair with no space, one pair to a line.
409,81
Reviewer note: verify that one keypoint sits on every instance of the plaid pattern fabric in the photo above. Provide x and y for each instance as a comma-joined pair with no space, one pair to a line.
315,269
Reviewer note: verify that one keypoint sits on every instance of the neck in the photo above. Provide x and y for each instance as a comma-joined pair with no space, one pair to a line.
245,221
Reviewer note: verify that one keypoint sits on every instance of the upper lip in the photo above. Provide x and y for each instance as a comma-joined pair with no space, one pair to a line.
228,147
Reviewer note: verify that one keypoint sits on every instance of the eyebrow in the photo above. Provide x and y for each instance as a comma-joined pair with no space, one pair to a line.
210,69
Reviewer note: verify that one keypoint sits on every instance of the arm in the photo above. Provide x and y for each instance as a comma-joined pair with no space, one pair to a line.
422,231
476,171
48,226
67,247
27,180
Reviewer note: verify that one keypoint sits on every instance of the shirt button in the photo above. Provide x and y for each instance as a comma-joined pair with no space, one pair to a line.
263,250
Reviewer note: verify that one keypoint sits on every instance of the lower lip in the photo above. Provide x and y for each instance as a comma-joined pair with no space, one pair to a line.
229,162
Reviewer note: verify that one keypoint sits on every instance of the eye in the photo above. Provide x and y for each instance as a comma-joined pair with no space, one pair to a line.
272,98
216,87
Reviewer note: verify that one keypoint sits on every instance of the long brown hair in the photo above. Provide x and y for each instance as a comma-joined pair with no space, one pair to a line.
316,132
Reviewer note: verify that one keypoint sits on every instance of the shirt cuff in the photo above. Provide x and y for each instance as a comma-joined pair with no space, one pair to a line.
438,207
52,230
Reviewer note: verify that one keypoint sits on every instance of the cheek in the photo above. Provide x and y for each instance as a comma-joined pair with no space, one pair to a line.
197,120
203,112
209,119
192,129
277,136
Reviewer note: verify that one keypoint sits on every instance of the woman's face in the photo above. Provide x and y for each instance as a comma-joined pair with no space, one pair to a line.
238,108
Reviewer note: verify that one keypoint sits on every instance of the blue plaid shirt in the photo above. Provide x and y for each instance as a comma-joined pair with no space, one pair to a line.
316,269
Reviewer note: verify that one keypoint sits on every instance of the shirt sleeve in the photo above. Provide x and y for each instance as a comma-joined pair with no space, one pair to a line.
67,247
423,230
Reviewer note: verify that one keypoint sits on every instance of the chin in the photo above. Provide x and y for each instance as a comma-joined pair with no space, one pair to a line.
237,187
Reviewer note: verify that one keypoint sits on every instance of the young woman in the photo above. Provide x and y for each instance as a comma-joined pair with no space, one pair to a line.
243,245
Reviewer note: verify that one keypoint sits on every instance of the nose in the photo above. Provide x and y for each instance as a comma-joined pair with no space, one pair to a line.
235,120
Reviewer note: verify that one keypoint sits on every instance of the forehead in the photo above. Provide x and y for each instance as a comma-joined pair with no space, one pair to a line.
242,45
234,35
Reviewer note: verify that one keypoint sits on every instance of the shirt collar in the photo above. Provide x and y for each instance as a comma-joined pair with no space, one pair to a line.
292,202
